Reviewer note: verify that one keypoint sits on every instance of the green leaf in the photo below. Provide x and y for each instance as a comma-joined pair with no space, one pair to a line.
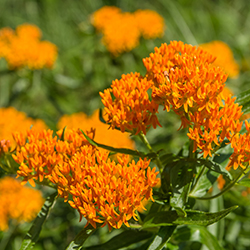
167,158
124,239
216,167
245,182
119,150
162,237
181,175
243,97
167,218
81,238
246,108
33,234
205,182
63,133
199,234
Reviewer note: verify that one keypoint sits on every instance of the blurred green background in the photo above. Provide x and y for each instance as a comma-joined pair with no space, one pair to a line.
84,67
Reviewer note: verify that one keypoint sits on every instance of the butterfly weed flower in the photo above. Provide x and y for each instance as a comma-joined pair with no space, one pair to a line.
122,30
224,57
18,202
187,82
121,34
128,105
103,16
23,48
150,23
6,34
102,190
15,120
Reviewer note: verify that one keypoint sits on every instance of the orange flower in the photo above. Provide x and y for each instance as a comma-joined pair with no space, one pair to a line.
103,134
122,30
17,202
24,48
150,23
130,109
121,34
224,57
210,129
101,17
184,77
241,145
102,190
6,34
16,121
28,31
186,81
5,146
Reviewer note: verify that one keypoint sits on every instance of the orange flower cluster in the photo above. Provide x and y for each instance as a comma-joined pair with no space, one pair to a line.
23,47
16,121
102,190
150,23
17,202
241,145
182,78
122,30
103,134
5,146
224,57
128,105
186,80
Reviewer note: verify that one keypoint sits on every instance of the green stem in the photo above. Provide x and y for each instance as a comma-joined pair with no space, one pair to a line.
7,235
146,143
81,238
227,188
198,178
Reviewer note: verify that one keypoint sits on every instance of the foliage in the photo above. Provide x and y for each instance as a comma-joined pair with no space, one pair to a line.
202,200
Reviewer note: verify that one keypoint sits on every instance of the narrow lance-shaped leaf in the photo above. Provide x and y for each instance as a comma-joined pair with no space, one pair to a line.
161,238
81,238
193,217
122,240
244,182
243,97
119,150
33,234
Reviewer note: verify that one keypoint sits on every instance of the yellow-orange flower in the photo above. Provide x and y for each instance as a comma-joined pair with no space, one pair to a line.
186,81
130,109
224,57
104,15
121,33
24,48
150,23
14,120
17,202
103,134
6,34
122,30
102,190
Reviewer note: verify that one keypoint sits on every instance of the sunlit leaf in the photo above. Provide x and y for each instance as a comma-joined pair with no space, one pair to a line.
167,218
244,182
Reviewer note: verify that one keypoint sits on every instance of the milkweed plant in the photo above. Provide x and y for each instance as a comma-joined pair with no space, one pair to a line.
93,165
